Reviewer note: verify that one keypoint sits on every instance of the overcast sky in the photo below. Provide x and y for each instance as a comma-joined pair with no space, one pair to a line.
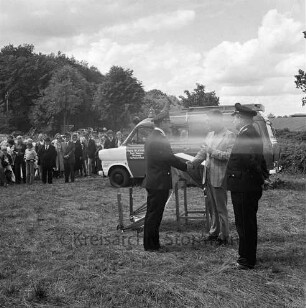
247,51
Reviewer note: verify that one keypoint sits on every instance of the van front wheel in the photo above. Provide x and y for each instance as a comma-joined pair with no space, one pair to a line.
119,177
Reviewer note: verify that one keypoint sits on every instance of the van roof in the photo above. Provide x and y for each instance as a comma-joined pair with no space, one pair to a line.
223,108
199,110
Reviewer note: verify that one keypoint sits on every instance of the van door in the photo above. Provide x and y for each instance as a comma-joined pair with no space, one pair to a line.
135,150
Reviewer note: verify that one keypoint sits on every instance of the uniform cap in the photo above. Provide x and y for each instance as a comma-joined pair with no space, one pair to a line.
244,111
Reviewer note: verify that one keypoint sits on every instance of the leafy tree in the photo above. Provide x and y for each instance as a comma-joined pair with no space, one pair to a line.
61,100
117,97
156,100
25,74
22,73
301,84
199,97
153,99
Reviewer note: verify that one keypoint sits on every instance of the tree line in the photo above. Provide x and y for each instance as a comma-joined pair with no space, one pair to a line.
49,92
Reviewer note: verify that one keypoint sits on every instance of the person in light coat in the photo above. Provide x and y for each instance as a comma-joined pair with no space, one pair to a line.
216,150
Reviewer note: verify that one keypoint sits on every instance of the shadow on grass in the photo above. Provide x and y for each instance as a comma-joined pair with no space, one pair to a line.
279,258
282,250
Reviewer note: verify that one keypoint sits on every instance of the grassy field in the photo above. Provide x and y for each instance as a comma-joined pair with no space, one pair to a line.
60,248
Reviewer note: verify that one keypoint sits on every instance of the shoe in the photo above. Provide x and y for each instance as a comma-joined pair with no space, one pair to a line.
243,267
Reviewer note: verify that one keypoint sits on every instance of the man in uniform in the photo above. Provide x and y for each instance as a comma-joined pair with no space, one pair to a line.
216,150
158,181
246,173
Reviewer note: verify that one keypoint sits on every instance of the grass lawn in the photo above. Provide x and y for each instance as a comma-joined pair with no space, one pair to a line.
60,248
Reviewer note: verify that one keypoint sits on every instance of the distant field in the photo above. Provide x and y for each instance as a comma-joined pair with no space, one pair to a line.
60,248
291,123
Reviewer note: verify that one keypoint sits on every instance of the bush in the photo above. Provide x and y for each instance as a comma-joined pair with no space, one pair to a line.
293,151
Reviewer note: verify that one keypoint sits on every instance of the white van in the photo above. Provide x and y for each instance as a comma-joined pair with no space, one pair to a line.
188,130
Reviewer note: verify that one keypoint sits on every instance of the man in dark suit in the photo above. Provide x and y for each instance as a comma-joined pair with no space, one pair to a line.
47,160
159,159
77,155
246,173
110,141
69,158
91,150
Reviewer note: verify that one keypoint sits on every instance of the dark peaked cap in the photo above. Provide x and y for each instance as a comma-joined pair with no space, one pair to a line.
244,111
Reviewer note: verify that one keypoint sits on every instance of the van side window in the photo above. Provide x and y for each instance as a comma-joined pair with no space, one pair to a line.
140,135
178,133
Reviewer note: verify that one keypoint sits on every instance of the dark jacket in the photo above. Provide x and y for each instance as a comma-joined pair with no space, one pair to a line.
91,149
159,160
68,150
48,157
19,151
109,144
246,168
78,150
38,148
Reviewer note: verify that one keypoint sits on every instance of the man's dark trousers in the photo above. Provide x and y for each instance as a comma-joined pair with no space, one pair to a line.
20,163
69,171
47,172
245,209
156,201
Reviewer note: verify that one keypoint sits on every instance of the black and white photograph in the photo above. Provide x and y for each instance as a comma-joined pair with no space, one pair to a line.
152,153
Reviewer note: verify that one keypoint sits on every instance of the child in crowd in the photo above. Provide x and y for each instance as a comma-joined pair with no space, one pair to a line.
30,157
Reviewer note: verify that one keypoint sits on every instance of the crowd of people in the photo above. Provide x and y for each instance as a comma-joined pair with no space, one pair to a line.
22,160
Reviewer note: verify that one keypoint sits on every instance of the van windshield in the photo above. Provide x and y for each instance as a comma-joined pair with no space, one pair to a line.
139,135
